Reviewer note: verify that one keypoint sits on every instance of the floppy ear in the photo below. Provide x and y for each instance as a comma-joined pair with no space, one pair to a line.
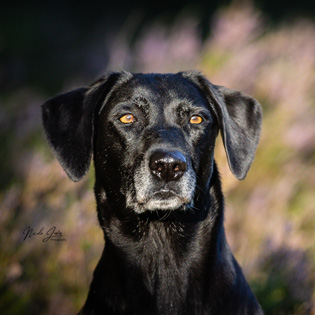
68,121
240,118
68,125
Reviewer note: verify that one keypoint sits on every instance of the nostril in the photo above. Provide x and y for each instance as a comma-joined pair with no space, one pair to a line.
181,166
155,165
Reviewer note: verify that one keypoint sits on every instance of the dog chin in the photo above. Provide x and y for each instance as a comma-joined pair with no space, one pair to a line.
166,204
171,203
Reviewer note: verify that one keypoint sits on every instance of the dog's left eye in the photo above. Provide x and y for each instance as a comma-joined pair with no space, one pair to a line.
196,120
127,119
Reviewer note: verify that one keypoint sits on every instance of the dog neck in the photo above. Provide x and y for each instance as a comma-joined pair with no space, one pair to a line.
167,248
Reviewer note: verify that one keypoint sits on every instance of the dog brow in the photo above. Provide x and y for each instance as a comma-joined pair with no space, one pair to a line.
185,106
141,102
188,105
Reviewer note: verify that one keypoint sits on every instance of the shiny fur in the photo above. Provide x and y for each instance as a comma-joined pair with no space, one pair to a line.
165,247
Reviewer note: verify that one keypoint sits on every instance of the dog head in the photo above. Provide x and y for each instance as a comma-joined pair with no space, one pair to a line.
152,135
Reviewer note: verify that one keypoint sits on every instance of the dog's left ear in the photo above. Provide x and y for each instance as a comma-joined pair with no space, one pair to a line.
68,121
239,117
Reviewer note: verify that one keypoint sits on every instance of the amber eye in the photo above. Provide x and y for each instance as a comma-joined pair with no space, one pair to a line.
196,120
127,119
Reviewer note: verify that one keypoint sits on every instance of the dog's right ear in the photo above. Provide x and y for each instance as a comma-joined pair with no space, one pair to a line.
68,121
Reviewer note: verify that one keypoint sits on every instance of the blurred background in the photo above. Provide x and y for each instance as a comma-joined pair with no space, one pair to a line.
264,48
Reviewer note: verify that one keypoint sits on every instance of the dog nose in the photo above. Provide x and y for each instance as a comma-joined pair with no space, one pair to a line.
167,165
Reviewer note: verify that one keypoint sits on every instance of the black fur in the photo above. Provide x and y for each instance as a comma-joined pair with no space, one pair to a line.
165,248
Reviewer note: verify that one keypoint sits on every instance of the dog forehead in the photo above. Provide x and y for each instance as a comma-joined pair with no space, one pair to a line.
162,89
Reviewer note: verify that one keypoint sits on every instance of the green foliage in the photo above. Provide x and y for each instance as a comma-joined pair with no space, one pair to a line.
285,282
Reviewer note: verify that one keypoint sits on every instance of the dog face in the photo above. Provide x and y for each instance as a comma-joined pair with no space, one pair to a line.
153,131
152,135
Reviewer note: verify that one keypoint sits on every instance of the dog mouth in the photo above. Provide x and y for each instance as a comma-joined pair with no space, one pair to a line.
150,193
165,199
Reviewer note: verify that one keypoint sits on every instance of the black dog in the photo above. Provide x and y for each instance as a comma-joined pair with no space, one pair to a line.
158,191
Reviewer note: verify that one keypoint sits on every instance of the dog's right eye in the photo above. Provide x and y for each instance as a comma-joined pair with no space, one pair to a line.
127,119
